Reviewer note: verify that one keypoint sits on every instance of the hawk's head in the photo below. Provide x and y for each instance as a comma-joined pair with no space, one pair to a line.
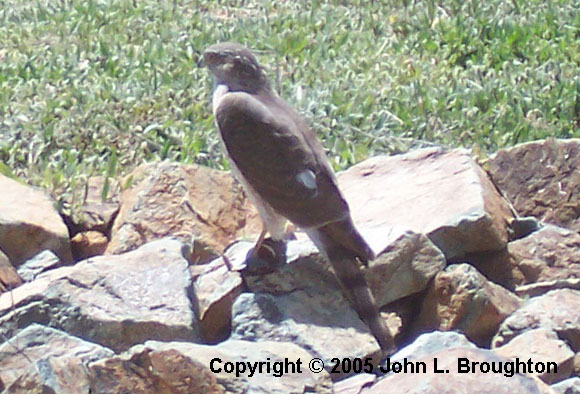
234,65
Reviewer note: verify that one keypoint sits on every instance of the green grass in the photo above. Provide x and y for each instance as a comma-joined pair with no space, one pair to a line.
98,87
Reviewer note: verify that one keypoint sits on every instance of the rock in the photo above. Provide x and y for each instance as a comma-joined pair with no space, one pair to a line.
432,342
413,192
96,213
116,301
215,288
152,372
568,386
88,244
189,202
44,261
548,254
459,379
179,367
405,267
539,288
460,298
9,278
551,253
557,310
498,267
541,345
354,384
325,324
541,179
42,359
29,223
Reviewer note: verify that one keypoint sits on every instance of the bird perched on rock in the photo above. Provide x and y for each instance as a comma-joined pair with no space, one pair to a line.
286,174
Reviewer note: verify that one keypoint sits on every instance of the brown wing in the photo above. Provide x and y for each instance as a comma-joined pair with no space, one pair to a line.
271,152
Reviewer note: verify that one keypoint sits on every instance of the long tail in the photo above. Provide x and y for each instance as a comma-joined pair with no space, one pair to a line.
342,245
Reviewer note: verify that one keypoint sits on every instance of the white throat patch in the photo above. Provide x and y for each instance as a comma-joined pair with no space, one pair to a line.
219,92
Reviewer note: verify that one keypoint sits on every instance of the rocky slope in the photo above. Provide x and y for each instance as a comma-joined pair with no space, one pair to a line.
149,290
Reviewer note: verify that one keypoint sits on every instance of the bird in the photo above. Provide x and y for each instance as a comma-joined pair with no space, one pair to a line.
284,170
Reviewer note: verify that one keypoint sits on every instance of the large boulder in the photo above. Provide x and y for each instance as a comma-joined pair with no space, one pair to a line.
444,194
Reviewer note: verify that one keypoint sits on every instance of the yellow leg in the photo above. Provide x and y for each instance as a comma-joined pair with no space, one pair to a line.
259,242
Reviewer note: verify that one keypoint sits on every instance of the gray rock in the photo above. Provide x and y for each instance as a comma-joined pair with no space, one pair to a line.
116,301
33,267
432,342
324,324
454,378
42,359
568,386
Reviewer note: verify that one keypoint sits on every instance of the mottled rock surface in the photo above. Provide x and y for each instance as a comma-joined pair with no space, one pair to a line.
541,179
41,359
460,298
195,204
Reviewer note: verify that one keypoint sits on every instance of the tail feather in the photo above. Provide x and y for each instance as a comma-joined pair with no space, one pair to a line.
350,274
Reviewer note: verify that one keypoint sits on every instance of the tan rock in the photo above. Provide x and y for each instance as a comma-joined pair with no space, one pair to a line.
551,253
9,278
541,345
116,301
179,367
557,310
88,244
548,254
541,179
193,203
215,288
460,298
405,267
166,371
413,192
41,359
29,223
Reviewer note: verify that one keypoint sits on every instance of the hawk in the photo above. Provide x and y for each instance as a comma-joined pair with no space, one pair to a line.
285,172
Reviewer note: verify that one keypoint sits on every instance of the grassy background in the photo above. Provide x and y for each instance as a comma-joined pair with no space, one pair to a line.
93,87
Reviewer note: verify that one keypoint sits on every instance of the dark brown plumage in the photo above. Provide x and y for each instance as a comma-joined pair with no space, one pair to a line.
283,167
